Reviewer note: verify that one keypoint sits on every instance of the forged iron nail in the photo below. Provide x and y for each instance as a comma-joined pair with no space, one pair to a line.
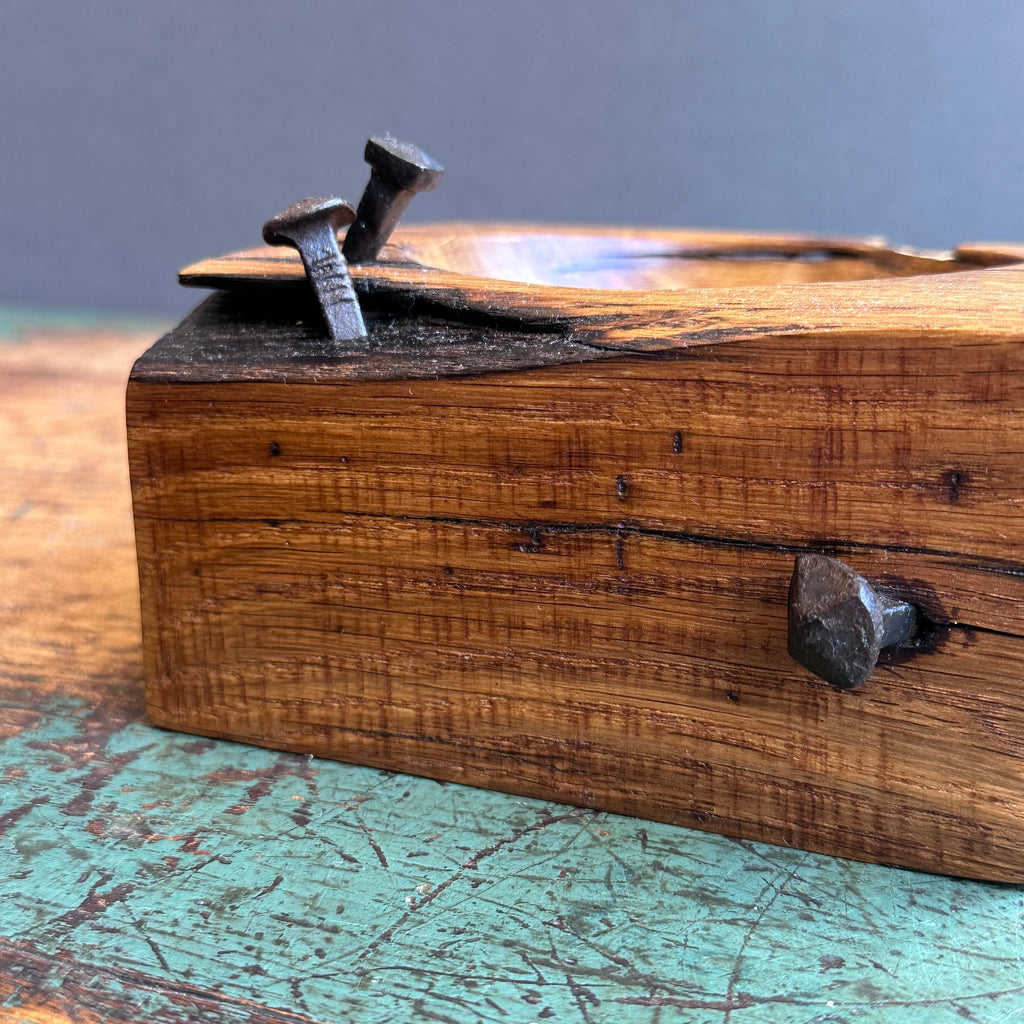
839,623
311,226
398,170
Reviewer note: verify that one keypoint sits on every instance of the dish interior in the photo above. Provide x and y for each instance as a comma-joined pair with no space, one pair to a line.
593,260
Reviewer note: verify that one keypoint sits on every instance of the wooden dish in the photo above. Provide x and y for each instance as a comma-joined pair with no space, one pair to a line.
537,532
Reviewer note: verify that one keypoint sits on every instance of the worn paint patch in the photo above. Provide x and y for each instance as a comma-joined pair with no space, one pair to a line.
214,881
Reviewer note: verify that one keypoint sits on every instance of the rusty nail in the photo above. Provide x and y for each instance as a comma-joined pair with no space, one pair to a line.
311,226
398,170
839,623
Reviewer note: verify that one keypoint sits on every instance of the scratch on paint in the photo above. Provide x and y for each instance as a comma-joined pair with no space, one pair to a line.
470,864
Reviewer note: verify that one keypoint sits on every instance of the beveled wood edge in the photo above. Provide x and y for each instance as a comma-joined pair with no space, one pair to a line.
990,254
980,301
266,264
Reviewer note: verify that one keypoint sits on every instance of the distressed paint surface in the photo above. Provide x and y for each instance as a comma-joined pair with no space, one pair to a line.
146,875
184,878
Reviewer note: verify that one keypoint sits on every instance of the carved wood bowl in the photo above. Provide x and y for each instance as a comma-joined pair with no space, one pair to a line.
647,289
536,530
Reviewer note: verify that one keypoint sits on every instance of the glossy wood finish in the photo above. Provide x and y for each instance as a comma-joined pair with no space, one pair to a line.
568,578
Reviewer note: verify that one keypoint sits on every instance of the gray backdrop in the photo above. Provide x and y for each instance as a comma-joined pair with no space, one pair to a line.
137,137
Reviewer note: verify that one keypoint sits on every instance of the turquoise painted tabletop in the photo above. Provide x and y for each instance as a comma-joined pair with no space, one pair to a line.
203,878
153,876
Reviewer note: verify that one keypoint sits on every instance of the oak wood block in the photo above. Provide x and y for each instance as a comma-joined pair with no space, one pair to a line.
539,538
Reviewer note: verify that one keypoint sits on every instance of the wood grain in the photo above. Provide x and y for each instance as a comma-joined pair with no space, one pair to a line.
568,578
70,604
